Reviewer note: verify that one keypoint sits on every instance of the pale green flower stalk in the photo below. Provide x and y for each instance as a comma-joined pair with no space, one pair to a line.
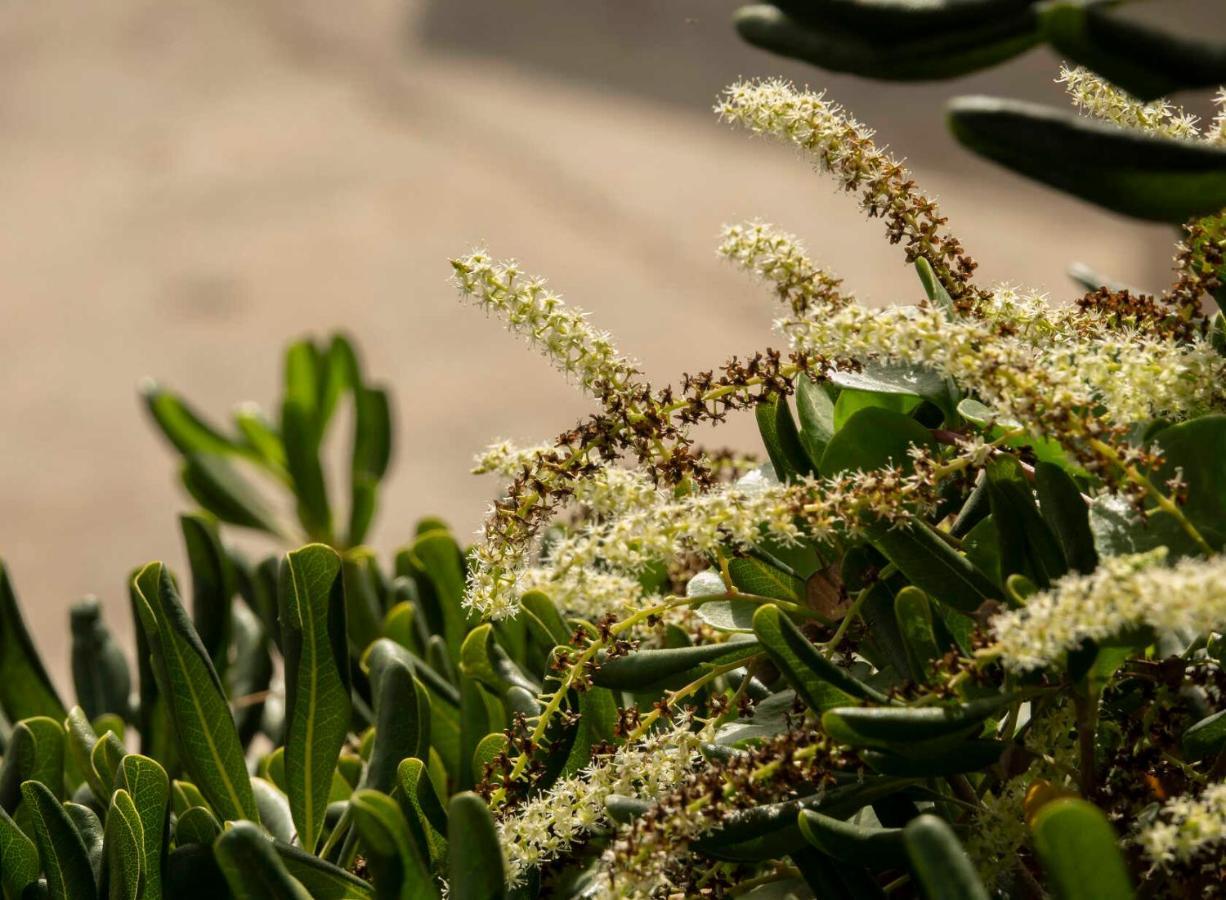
1186,827
1100,99
547,826
1124,592
778,258
560,332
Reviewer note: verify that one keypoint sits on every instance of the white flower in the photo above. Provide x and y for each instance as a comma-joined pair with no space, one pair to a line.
548,825
1124,592
533,311
778,257
1185,827
1098,98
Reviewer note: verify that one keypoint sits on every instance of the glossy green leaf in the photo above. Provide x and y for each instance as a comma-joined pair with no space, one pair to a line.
815,410
105,757
437,565
913,613
207,739
372,449
1173,43
937,295
251,866
186,430
197,826
19,865
471,835
902,17
1206,738
213,584
903,57
63,853
146,783
916,761
217,485
153,719
935,567
100,674
899,379
423,810
318,707
820,683
89,828
892,726
124,848
1195,449
1079,852
192,874
941,867
322,879
25,688
1124,170
850,401
642,670
781,439
1067,514
872,439
875,847
274,807
753,576
402,724
35,753
398,866
1027,546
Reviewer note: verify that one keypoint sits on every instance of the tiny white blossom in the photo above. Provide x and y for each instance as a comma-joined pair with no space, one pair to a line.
1186,827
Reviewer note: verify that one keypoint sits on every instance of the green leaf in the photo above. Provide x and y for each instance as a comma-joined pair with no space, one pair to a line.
186,430
372,450
902,380
19,866
1206,738
471,835
819,682
220,488
105,757
874,847
851,401
148,787
643,670
305,409
436,563
197,826
99,671
192,874
89,827
25,688
481,713
941,867
1027,545
872,439
889,727
782,441
153,720
322,880
938,760
1079,851
124,841
753,576
318,708
35,753
815,410
399,869
60,847
207,739
937,295
904,57
935,567
1124,170
914,616
251,866
402,723
213,584
274,809
1176,48
363,603
481,658
1195,450
422,809
1067,514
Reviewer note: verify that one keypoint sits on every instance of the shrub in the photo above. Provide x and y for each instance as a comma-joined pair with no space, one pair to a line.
960,634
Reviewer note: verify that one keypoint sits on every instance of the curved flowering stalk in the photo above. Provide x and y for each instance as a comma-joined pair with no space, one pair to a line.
1124,593
778,258
840,145
1100,99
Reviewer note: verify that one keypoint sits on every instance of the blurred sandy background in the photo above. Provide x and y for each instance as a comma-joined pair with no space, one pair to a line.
187,185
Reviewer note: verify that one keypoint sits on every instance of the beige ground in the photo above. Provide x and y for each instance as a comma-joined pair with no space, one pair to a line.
187,184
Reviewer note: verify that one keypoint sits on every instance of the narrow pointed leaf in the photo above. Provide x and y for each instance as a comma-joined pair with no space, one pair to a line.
471,835
124,848
399,869
942,868
64,857
322,879
25,688
99,671
146,782
19,866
